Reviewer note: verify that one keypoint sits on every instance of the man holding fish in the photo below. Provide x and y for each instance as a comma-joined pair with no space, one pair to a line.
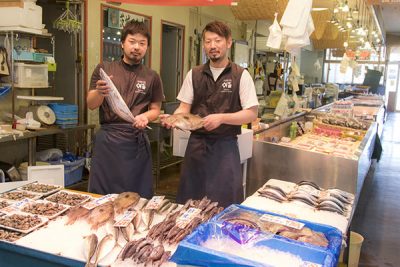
122,156
223,94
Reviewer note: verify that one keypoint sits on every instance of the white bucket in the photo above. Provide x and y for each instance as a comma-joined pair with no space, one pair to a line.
356,241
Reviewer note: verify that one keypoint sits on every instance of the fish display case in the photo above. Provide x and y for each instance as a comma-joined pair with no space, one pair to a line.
294,164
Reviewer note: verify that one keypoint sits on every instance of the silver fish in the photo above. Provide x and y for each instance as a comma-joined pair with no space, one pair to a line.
90,245
164,203
147,217
105,246
115,100
137,220
128,231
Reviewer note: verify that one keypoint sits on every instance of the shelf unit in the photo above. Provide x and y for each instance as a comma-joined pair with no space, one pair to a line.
15,34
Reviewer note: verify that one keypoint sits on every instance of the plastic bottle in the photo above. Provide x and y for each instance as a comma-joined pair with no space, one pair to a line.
293,130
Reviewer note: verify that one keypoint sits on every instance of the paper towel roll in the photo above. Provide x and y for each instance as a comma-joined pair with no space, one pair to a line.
45,115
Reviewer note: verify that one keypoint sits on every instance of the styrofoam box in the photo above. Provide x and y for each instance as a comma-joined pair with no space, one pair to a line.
245,142
31,75
30,16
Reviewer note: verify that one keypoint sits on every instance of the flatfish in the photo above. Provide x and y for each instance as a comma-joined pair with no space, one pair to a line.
100,215
125,200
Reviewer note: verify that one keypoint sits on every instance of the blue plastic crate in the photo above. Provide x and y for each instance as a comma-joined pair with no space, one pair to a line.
191,251
72,170
63,108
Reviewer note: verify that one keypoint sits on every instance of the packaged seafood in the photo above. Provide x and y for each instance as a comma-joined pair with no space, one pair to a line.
18,195
22,222
44,208
9,236
4,203
44,189
68,198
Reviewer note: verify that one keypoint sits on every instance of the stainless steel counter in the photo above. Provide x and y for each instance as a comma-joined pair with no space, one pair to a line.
285,163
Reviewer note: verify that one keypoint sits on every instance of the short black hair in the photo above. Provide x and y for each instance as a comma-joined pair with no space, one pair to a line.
219,28
134,27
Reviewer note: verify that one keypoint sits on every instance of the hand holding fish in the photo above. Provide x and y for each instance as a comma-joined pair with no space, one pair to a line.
141,121
102,87
212,121
164,122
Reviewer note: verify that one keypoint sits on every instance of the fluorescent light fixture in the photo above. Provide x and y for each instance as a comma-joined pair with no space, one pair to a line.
319,8
234,3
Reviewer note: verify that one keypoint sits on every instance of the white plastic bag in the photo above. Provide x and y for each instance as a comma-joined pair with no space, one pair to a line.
275,34
344,64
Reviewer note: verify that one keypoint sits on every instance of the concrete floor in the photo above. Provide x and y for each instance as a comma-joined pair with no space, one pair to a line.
377,217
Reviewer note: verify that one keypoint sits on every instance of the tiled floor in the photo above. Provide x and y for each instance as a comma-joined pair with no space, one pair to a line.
377,217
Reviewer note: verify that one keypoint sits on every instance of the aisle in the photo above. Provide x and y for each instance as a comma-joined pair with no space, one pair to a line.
378,215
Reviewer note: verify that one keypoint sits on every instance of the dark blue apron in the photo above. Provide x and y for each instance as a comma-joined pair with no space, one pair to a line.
121,161
211,168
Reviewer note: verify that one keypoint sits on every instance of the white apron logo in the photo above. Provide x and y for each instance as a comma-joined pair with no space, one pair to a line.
227,86
140,87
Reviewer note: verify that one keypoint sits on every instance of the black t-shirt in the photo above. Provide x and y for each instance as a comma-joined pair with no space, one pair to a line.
138,85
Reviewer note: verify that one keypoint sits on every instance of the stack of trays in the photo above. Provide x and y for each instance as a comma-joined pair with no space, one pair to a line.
66,114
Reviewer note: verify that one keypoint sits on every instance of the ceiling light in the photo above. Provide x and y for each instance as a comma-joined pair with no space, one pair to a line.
349,25
336,10
319,8
234,3
345,44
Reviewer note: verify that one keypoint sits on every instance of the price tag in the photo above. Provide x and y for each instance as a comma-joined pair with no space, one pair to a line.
283,221
187,217
155,202
99,201
126,219
15,207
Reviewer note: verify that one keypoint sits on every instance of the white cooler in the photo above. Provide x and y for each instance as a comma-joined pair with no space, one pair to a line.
30,16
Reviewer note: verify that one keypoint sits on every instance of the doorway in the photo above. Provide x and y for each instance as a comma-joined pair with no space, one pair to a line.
171,67
393,77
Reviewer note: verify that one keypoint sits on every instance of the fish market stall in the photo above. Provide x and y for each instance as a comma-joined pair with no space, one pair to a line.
71,228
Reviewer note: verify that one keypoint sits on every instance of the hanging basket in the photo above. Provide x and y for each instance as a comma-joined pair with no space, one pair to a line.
68,21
